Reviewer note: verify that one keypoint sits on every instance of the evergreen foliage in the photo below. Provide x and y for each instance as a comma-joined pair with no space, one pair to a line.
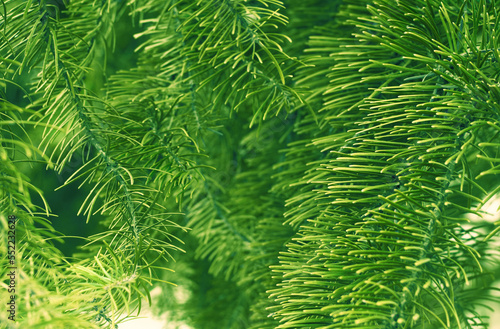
286,164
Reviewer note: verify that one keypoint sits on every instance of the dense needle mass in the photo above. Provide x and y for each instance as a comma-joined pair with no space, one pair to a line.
286,164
